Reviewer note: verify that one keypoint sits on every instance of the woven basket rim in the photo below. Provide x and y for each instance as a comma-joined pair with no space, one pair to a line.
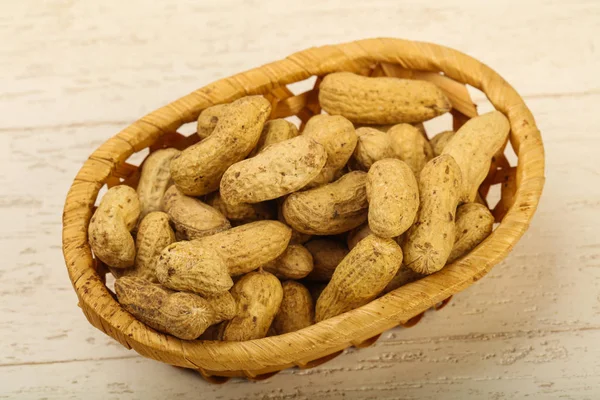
329,336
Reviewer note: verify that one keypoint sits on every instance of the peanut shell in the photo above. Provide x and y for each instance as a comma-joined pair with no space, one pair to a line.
474,223
296,262
297,309
327,254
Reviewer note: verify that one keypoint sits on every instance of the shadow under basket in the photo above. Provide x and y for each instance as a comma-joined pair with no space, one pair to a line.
520,189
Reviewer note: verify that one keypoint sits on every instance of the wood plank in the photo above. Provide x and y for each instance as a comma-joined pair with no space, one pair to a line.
88,62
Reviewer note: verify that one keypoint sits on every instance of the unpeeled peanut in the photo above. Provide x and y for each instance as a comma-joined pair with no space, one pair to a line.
373,145
154,180
330,209
199,168
360,277
410,146
208,118
192,218
153,235
381,100
183,315
258,296
193,267
393,195
279,169
296,262
275,131
429,241
473,146
247,247
439,142
297,309
338,137
110,227
474,222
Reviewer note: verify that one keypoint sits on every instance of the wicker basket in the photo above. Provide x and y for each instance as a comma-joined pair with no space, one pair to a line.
259,359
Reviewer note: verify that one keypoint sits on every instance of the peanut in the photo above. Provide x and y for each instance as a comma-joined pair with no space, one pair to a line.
393,195
381,100
439,142
193,267
208,119
429,241
474,222
410,146
279,169
330,209
153,235
327,254
296,262
275,131
473,146
403,276
297,309
258,295
339,139
373,145
223,305
110,227
242,212
247,247
154,180
199,168
183,315
192,218
360,277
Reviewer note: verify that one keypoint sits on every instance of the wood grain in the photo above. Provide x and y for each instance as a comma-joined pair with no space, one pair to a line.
75,73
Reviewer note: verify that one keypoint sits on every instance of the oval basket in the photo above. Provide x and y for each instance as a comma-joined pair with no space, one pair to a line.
521,187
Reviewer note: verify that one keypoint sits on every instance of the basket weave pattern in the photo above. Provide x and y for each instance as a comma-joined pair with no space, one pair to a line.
258,359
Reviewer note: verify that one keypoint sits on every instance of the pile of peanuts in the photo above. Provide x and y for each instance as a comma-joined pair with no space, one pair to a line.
259,229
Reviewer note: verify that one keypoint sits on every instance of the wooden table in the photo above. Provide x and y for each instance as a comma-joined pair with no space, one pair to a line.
73,73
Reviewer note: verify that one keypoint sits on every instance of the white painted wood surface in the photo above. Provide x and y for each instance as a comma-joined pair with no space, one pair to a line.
73,73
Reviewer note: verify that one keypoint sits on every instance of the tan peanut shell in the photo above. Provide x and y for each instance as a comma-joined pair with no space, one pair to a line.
403,276
191,217
258,296
387,127
247,247
357,234
330,209
223,305
410,146
183,315
439,142
297,309
360,277
154,180
473,146
393,195
297,237
199,168
110,227
242,212
327,254
429,241
373,145
339,139
275,131
279,169
474,222
207,121
193,267
153,235
381,100
295,262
